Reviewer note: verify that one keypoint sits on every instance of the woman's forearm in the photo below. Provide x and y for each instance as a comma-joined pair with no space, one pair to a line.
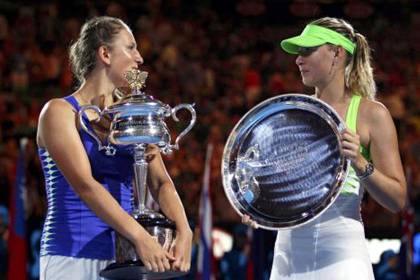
389,192
172,207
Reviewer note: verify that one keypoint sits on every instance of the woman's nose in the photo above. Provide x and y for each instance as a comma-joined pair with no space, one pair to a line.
139,58
299,60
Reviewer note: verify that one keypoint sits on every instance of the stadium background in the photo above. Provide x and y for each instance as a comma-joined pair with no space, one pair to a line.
224,57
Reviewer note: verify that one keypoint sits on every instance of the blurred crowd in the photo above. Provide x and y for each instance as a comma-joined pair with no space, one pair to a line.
224,56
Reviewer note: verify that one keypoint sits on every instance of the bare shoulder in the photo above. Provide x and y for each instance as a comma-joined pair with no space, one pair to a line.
374,112
378,123
55,116
56,108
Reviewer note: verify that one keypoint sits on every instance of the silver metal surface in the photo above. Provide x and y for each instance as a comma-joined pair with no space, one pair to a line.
139,118
282,164
137,121
133,271
157,225
125,251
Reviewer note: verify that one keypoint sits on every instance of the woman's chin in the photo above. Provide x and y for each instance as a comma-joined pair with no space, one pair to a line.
307,82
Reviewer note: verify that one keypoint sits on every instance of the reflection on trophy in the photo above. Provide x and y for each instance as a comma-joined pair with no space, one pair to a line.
137,121
283,164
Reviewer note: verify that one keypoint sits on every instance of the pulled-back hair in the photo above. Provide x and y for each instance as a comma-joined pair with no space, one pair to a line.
98,31
359,72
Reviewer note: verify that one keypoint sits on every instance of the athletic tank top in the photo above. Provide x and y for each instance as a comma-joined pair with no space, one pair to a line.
352,183
71,228
333,245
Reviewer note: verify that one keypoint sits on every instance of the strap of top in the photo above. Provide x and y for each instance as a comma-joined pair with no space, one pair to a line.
110,150
72,100
351,116
351,121
75,104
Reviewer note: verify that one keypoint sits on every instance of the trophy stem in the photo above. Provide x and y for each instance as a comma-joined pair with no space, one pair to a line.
140,176
138,120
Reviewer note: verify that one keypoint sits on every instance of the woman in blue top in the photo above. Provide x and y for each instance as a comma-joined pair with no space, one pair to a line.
89,192
335,60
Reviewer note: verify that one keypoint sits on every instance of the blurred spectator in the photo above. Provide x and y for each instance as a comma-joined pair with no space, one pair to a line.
4,223
233,264
222,56
387,268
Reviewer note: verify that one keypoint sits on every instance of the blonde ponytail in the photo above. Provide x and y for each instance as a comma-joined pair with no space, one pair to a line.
359,73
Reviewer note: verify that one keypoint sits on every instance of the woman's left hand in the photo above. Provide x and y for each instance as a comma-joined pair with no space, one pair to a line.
351,149
182,251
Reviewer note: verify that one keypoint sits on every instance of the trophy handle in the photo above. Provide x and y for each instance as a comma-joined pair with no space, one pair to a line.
109,150
190,108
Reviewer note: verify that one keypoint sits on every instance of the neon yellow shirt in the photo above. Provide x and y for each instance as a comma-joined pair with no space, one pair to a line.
352,183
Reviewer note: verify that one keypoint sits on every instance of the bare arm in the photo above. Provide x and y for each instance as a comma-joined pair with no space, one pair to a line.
387,184
57,132
163,190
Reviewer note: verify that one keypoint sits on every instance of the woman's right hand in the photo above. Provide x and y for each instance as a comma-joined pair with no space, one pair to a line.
247,220
152,254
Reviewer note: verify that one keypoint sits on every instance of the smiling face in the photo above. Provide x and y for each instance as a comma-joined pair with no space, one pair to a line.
315,65
123,56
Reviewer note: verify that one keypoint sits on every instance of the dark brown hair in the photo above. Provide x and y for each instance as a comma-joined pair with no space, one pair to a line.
98,31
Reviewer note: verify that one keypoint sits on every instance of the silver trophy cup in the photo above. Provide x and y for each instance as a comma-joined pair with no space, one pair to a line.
139,120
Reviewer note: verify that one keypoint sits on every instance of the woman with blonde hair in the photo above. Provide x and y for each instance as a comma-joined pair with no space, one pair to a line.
335,60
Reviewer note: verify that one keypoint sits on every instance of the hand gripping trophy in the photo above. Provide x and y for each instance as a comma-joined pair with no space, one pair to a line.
137,121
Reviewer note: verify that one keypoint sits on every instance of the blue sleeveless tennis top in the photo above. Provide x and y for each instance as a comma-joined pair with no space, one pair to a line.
71,228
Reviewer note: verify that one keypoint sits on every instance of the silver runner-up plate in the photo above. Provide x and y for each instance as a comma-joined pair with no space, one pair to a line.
283,163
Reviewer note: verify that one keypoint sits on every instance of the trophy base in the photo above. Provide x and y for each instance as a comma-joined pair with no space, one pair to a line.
136,271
